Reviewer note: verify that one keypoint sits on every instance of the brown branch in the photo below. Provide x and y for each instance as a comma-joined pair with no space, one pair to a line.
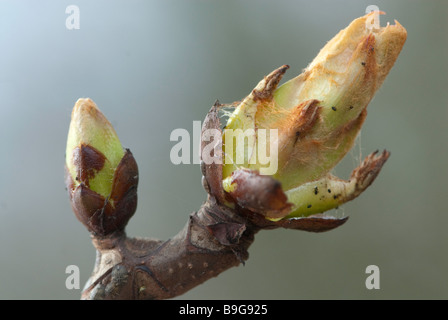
214,239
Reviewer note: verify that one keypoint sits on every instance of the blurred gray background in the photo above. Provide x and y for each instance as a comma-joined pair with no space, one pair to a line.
154,66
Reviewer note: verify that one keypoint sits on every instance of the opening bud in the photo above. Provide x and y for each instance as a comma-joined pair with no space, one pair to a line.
317,116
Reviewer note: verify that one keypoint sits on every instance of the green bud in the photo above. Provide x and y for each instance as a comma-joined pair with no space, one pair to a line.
91,138
101,176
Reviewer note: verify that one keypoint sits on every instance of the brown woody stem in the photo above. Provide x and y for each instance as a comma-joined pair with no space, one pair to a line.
214,239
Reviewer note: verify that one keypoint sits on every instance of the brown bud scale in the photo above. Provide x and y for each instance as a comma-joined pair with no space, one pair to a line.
102,216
